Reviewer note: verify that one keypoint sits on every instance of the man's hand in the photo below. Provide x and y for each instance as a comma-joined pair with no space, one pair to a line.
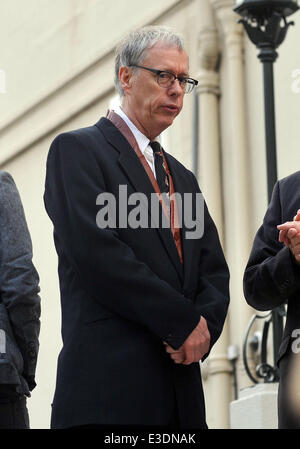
194,347
290,235
295,246
287,229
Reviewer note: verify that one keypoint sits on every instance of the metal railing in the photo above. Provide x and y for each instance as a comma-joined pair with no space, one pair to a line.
265,370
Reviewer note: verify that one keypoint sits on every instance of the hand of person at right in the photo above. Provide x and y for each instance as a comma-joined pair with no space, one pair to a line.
290,235
289,231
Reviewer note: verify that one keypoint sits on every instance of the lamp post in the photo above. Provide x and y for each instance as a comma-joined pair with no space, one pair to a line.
265,22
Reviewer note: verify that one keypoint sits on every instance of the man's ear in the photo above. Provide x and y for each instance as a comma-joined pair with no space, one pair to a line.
125,77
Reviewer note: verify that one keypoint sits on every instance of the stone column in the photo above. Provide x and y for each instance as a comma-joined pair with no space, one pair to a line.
217,369
234,169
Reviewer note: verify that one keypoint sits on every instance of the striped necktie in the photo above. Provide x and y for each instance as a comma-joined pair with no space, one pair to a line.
161,175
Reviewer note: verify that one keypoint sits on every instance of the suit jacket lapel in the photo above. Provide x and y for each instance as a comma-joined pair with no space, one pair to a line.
135,171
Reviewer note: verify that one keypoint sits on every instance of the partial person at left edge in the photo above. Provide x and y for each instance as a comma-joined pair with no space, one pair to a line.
19,309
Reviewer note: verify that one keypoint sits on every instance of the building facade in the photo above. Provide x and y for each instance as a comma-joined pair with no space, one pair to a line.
56,74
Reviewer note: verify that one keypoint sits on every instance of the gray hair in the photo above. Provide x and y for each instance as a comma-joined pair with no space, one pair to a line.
133,48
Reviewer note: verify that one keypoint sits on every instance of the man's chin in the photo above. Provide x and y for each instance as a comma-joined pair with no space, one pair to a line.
168,120
165,125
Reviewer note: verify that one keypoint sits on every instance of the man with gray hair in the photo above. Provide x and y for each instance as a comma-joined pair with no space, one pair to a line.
142,302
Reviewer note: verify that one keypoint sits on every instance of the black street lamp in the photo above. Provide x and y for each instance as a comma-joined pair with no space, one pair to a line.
266,26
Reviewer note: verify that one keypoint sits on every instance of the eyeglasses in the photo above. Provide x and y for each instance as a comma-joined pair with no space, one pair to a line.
166,79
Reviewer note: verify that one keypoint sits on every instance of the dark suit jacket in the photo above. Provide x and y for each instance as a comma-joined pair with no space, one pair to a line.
272,277
124,291
19,298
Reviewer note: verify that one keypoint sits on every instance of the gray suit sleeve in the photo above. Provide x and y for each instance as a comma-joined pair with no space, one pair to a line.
19,280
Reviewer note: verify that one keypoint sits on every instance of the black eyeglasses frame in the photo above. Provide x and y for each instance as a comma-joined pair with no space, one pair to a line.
187,80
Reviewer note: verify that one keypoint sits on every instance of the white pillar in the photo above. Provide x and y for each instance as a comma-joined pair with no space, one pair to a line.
234,169
218,369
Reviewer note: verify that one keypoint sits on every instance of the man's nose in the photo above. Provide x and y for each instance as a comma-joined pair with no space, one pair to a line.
175,88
